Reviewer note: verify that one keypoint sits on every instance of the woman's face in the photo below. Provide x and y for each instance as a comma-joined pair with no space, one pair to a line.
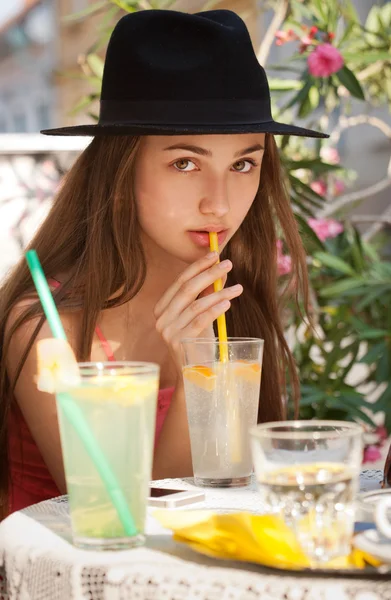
186,186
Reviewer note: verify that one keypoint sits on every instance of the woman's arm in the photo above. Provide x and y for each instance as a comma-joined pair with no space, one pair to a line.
38,408
172,453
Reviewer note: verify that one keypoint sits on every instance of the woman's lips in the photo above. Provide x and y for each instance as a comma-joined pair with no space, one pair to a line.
201,238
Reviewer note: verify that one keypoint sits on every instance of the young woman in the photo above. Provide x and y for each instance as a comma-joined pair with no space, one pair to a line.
184,146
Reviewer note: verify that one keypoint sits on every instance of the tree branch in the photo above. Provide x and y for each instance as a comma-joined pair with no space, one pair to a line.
370,219
354,197
346,199
376,227
346,122
278,18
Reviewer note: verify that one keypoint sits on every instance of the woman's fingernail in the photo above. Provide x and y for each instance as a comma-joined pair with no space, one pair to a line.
211,255
225,264
225,304
237,288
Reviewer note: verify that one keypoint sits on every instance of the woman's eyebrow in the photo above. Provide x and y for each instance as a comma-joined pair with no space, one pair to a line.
190,148
205,152
250,150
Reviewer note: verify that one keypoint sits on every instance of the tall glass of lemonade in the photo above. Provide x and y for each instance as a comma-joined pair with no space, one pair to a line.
118,402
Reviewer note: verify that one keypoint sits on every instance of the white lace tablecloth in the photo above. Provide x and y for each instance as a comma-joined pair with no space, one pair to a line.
39,563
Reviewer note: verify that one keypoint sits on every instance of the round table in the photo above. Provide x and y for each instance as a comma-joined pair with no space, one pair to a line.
40,563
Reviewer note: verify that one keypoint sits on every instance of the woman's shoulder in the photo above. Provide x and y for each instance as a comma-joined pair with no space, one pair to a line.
23,329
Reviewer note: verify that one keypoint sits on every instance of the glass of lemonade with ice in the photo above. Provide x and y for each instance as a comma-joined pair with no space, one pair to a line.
118,402
222,384
308,474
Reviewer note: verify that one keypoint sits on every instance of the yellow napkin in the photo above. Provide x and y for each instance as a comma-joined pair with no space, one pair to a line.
263,539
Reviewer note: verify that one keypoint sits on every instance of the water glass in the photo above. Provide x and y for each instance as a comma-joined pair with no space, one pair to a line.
308,474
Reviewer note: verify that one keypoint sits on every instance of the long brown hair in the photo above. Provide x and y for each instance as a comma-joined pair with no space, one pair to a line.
93,221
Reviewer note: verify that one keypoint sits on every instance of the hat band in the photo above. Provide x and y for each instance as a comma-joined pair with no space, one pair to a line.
185,112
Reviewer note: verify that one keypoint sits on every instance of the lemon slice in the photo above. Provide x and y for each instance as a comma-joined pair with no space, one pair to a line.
250,371
124,390
57,366
203,377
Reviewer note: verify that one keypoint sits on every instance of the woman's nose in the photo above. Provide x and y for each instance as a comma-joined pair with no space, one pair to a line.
215,199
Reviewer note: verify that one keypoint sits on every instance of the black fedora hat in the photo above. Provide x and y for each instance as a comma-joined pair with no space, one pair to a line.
169,72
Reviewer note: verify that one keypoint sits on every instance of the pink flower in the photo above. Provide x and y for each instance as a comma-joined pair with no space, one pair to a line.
282,37
371,454
284,262
319,187
330,155
306,40
338,187
325,228
324,60
382,433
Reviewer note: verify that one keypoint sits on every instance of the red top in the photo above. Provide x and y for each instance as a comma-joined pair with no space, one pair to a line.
31,481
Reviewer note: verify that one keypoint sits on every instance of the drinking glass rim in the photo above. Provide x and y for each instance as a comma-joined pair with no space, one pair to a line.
345,429
121,368
216,340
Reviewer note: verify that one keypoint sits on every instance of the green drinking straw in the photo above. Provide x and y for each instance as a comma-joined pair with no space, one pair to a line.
70,408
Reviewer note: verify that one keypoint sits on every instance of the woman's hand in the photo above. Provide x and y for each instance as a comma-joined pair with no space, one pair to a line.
189,306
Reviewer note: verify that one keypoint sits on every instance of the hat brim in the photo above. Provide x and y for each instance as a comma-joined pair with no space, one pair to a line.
143,129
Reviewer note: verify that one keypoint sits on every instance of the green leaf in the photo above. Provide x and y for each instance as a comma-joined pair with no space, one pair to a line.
83,103
354,349
90,10
372,23
309,103
312,398
108,18
315,165
383,403
373,353
373,334
284,68
299,97
366,58
335,289
349,12
383,369
343,404
96,64
350,82
319,8
306,190
284,85
333,262
308,232
126,6
301,11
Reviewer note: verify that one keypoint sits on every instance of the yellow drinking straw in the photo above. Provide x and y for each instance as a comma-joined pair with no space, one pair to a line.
218,286
234,442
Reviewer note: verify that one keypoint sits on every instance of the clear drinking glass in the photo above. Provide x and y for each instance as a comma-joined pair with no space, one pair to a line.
308,474
222,382
118,402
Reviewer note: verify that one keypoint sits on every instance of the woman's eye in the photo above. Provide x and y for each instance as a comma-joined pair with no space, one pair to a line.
243,166
184,164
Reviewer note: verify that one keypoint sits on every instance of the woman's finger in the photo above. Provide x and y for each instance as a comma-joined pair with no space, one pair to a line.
199,323
201,312
192,271
192,288
210,289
